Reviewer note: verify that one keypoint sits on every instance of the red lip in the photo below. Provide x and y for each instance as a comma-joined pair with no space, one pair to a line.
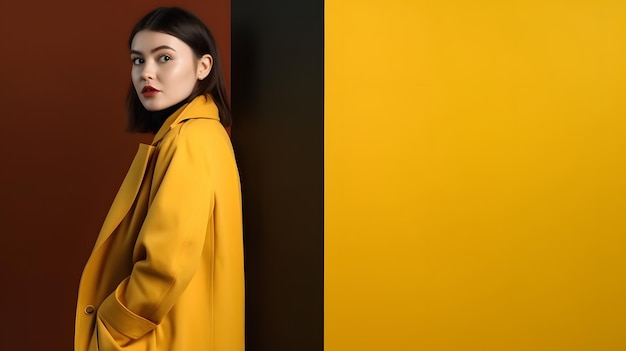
149,88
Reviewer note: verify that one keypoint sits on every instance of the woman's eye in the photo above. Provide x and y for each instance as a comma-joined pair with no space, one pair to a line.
137,61
165,58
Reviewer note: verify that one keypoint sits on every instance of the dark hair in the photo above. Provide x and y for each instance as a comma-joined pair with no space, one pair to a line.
185,26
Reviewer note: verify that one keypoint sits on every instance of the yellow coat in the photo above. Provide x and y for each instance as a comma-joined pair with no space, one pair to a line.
166,272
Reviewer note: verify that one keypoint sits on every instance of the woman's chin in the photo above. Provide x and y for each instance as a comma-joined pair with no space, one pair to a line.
152,106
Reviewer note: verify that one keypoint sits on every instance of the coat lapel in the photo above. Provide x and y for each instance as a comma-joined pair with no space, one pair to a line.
127,193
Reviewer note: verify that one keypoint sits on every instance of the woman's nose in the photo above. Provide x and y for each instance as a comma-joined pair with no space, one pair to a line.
148,71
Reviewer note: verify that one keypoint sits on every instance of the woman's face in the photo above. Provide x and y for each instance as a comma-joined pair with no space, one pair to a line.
165,69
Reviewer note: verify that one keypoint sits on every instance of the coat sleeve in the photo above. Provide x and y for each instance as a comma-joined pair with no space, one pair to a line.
171,239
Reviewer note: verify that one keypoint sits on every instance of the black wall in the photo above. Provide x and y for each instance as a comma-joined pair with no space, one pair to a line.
278,134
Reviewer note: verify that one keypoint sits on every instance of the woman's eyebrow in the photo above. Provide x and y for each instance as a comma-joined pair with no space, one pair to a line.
153,50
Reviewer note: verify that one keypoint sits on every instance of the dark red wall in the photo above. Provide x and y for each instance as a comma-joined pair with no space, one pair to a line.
63,149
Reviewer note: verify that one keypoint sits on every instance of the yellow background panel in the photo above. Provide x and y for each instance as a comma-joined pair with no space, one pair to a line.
475,175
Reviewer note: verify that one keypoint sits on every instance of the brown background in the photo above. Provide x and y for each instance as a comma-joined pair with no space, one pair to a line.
63,150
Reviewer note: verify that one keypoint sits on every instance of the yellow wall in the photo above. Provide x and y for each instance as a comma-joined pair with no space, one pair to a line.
475,175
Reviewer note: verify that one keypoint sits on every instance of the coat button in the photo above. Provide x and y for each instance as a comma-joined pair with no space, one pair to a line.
90,309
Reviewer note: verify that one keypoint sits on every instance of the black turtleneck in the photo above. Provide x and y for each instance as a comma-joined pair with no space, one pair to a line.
156,118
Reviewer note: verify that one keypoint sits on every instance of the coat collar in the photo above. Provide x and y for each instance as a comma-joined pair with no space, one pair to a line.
200,107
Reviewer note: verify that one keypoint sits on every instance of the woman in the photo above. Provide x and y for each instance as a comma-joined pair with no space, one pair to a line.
166,272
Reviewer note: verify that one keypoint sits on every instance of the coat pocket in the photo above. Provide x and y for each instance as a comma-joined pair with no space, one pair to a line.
106,340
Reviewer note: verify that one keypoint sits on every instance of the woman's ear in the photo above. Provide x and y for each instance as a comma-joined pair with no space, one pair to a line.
204,66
